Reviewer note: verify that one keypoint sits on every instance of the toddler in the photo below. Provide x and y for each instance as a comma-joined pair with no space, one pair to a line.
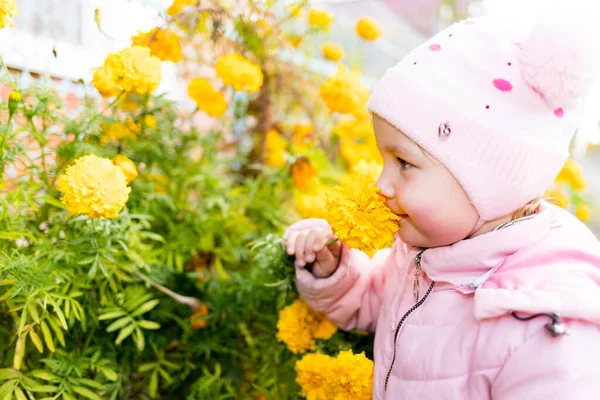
488,292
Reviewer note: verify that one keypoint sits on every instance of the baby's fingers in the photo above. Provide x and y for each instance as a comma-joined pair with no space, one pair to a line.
290,242
300,241
321,240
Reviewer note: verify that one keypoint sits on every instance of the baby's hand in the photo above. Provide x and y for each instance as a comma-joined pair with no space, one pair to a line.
309,247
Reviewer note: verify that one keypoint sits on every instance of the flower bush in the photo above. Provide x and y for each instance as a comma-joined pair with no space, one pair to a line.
140,248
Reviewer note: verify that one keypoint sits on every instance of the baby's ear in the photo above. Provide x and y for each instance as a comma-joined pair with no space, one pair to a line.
561,57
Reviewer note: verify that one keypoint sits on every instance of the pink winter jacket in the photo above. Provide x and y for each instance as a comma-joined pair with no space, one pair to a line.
461,341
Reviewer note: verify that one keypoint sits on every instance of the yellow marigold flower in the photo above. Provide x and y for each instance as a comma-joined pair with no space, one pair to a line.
332,51
312,374
359,215
105,82
297,325
296,40
583,212
93,186
344,93
275,147
556,195
179,6
117,131
368,28
354,128
295,10
128,167
301,131
161,182
325,330
134,70
303,174
14,99
163,43
236,71
353,152
351,376
312,205
8,10
150,121
572,174
206,98
197,318
319,18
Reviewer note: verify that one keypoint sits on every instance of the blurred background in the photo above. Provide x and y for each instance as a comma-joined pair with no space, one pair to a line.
65,39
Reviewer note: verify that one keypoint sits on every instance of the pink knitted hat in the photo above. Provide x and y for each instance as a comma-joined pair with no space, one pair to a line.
498,110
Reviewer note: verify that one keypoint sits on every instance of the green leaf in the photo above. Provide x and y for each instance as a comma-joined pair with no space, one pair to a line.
52,201
47,336
153,387
144,308
43,389
90,383
44,375
112,315
150,325
7,389
9,373
33,311
139,339
22,320
109,374
125,332
57,331
5,282
146,367
165,375
36,340
87,393
118,324
68,396
19,394
59,314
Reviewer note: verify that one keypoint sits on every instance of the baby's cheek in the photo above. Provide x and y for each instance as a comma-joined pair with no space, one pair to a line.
438,224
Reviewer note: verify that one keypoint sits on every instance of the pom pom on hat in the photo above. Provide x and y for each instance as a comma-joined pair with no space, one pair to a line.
560,59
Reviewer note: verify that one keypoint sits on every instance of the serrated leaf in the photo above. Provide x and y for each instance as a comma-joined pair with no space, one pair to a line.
118,324
112,315
43,389
36,340
85,392
125,332
165,375
5,282
60,315
150,325
47,336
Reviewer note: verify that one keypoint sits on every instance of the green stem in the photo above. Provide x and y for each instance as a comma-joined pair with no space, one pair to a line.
7,72
6,132
42,145
95,117
332,241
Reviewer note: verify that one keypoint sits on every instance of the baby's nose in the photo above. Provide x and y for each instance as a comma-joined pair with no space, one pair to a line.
385,188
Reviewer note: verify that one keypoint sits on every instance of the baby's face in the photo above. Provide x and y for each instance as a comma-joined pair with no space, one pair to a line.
435,209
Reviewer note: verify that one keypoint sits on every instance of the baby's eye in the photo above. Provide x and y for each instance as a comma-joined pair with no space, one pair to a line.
403,164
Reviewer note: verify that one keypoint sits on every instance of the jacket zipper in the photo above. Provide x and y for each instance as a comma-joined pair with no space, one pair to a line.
410,311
